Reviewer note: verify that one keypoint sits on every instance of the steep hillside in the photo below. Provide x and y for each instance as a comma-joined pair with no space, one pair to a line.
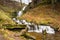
8,10
4,19
44,14
10,7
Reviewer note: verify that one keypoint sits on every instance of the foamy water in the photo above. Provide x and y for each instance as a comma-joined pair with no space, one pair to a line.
37,29
41,29
23,1
19,13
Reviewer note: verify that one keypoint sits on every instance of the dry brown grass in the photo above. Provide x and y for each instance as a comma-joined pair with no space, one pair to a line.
9,35
43,14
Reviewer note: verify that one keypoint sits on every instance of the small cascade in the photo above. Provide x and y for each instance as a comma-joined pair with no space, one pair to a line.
30,29
23,1
41,28
26,1
24,8
31,26
50,30
36,29
21,12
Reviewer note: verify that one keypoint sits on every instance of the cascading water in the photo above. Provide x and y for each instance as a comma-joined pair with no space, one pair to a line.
21,11
30,29
47,28
41,28
19,14
34,28
23,1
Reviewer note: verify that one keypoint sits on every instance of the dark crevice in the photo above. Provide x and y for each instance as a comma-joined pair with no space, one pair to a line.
15,29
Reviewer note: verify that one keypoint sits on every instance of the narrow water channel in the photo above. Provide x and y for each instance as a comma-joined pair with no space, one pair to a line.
37,30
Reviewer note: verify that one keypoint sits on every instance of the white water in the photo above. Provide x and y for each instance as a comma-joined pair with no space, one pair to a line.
36,29
21,12
43,28
31,29
26,1
24,8
23,1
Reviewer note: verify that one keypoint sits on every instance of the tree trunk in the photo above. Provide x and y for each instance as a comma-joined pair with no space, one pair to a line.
21,2
53,4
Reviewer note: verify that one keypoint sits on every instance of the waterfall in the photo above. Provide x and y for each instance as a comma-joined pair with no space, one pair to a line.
50,30
31,26
23,1
19,15
24,8
26,1
41,28
36,29
30,29
21,12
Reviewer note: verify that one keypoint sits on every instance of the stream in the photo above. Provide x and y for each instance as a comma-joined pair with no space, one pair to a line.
31,26
37,31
